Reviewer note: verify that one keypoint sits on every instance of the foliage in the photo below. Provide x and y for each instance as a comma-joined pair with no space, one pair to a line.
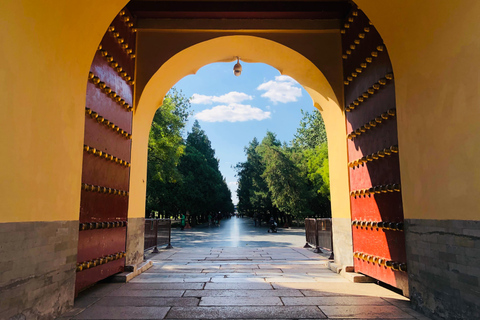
165,147
311,132
287,178
253,193
204,189
285,181
182,175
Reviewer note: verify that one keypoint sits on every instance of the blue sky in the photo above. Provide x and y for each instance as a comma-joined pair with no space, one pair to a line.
233,110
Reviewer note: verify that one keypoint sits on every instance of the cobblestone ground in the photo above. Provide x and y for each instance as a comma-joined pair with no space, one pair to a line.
242,274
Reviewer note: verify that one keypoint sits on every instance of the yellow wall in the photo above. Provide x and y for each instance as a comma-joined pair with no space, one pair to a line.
434,47
46,51
47,47
225,48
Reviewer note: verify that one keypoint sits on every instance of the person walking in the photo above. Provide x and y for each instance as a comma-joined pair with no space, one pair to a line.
182,221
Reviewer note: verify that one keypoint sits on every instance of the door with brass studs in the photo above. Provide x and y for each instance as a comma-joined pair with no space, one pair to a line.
106,156
375,189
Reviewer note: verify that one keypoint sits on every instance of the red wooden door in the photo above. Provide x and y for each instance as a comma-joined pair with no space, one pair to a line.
375,188
106,157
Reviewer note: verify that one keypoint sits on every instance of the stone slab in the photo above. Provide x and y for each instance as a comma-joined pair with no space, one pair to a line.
127,276
146,293
365,312
239,312
246,280
238,286
165,286
135,242
243,293
335,301
107,313
148,301
169,280
240,301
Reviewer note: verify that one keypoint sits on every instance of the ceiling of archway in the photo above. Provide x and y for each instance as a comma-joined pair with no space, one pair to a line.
151,14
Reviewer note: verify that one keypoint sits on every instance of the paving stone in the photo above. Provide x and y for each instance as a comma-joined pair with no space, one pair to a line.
240,301
334,301
267,271
165,286
232,275
239,312
146,293
365,312
231,283
168,280
103,312
176,270
238,286
243,293
83,301
331,288
244,280
102,289
147,301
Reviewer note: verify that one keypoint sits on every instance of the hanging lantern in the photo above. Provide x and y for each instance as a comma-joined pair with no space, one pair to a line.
237,68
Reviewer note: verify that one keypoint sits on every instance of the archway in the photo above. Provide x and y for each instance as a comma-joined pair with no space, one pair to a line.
158,70
251,49
436,191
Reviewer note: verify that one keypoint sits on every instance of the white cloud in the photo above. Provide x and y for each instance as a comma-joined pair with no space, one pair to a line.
233,112
283,89
228,98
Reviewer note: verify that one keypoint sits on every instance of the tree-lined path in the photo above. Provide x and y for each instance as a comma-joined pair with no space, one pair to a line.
237,232
237,271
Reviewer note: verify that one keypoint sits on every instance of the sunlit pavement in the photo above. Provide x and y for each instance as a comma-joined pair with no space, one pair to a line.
237,271
237,232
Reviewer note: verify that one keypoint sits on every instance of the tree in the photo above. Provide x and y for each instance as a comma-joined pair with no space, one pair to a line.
204,190
311,139
288,179
285,180
165,147
253,193
311,132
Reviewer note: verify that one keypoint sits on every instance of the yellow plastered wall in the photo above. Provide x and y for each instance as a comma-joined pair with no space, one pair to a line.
251,49
47,48
434,47
46,51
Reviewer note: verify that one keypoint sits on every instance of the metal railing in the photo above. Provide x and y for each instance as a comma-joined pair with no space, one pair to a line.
318,232
158,232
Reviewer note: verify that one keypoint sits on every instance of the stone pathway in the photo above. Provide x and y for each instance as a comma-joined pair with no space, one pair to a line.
240,283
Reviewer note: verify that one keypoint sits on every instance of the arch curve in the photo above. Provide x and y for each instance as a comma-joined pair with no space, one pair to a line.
225,49
249,49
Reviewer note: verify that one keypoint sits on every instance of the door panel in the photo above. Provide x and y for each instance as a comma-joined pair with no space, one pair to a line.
106,158
372,142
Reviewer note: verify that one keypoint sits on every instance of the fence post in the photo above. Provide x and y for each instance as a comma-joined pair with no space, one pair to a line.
317,242
169,245
332,257
155,249
307,228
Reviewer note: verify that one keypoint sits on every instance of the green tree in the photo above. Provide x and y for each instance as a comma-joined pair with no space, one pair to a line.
284,177
288,179
165,147
204,190
311,140
311,132
253,193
